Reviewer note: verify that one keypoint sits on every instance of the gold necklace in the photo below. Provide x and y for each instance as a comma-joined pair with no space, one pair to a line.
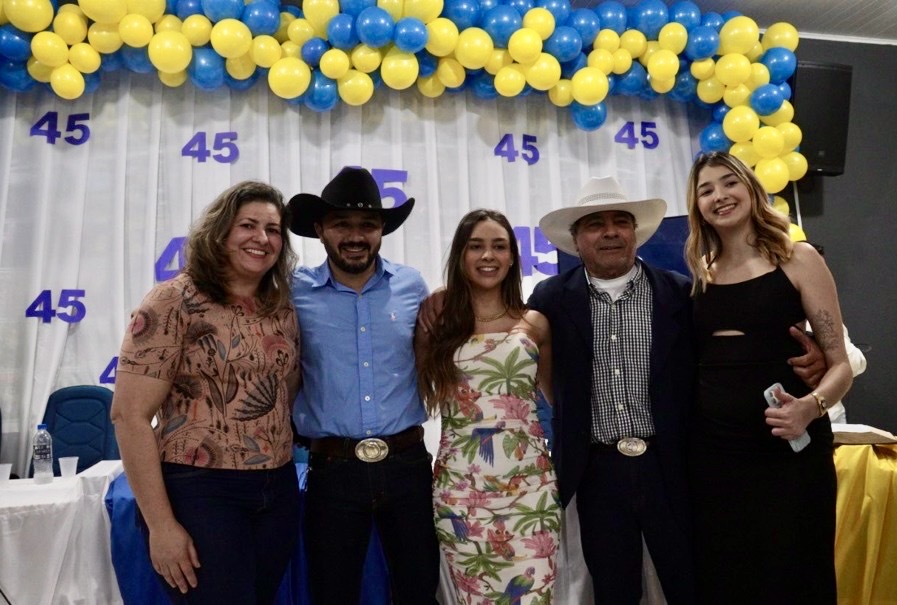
486,320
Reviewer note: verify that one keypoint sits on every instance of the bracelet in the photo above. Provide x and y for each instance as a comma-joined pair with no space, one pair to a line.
820,402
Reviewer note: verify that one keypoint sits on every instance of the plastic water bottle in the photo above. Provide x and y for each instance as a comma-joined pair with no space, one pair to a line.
43,455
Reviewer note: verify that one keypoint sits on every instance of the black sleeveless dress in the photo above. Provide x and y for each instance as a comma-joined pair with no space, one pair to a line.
764,516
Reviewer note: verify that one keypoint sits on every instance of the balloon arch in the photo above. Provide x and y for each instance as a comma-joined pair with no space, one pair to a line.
343,50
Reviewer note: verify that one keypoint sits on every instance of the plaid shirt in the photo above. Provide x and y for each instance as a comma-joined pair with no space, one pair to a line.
621,363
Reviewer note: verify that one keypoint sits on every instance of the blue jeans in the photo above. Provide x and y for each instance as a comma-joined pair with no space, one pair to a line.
244,525
343,498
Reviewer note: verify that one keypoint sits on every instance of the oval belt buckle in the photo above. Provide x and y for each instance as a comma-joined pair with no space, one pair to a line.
371,450
632,446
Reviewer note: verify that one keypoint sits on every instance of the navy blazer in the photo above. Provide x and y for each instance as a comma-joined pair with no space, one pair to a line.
564,300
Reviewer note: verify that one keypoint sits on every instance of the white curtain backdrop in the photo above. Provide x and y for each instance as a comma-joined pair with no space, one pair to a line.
100,212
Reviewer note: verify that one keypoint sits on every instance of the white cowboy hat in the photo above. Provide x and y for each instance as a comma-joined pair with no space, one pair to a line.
601,194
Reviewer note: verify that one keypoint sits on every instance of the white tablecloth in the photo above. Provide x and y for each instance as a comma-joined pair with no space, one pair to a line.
54,544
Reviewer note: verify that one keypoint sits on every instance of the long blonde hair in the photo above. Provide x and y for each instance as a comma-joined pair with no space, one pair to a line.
704,246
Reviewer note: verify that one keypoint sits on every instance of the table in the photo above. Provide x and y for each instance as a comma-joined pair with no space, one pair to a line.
52,544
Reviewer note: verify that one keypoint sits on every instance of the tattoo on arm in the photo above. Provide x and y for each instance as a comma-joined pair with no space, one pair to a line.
824,329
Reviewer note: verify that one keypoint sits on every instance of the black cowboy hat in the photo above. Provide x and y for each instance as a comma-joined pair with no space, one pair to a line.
351,189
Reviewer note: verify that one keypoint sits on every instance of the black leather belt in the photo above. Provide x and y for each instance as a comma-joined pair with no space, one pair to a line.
372,449
628,446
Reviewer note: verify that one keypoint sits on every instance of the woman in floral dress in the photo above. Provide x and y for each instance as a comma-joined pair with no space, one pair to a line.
494,494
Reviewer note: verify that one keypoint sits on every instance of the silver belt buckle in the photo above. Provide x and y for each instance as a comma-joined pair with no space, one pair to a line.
371,450
632,446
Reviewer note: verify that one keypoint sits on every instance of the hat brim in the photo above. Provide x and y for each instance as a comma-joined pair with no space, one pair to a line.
556,224
307,209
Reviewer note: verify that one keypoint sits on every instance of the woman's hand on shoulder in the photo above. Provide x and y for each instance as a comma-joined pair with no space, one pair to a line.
430,312
536,326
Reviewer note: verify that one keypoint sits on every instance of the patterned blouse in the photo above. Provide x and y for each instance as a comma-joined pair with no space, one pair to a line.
228,406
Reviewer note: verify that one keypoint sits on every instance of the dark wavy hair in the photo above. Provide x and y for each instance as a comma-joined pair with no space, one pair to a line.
437,373
207,259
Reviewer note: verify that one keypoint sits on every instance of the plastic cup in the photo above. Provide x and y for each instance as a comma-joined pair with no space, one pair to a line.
68,466
5,470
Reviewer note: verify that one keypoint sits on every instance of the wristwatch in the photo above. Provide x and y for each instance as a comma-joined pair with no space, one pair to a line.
820,402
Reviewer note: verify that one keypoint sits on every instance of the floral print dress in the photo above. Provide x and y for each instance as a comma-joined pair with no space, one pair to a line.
495,493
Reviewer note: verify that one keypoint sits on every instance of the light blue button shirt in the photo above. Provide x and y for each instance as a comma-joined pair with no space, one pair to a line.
358,374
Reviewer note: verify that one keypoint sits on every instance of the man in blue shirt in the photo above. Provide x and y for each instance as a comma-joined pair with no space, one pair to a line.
359,406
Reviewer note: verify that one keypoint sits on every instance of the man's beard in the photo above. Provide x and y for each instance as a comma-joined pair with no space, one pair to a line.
353,267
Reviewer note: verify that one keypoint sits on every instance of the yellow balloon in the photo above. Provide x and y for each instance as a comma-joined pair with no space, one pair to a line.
663,65
732,69
791,133
795,233
198,29
425,10
540,20
291,49
300,31
168,23
38,70
266,51
603,59
474,48
104,11
240,68
607,39
784,114
525,45
509,82
738,35
498,58
50,49
651,47
170,52
67,82
710,90
282,34
442,37
759,76
135,30
393,7
65,8
673,37
797,165
354,87
544,73
365,59
782,35
740,123
430,86
319,13
634,41
231,38
289,77
562,94
172,80
450,72
779,203
768,141
737,95
399,69
622,61
335,64
71,27
661,86
151,9
746,153
755,53
84,58
104,37
590,86
703,69
772,174
29,15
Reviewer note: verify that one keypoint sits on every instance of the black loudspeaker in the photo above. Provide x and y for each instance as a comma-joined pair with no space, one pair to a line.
821,99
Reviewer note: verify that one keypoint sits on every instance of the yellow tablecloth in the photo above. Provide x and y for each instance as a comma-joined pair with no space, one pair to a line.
866,531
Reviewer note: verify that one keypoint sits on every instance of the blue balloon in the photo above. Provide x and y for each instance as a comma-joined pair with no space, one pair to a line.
521,6
91,82
571,67
14,76
588,117
766,99
483,86
313,50
426,64
612,83
780,62
411,34
375,27
633,81
136,59
730,15
206,69
463,13
649,16
376,78
171,7
685,89
703,42
322,94
111,62
341,32
185,8
785,89
15,44
262,17
293,10
713,20
719,112
687,13
500,22
612,15
486,6
564,44
235,84
354,7
559,8
586,23
216,10
712,138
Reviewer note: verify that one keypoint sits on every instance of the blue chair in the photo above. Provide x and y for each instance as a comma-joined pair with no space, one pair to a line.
78,419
